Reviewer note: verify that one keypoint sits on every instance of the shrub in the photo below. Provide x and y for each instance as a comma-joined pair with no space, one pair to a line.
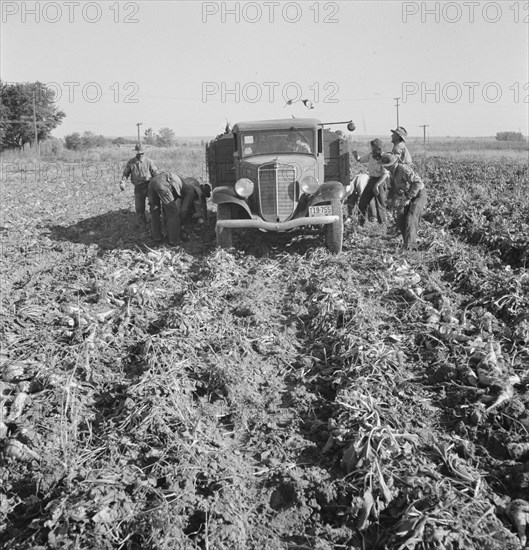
510,136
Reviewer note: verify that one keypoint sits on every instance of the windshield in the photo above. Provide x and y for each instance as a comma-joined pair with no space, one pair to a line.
265,142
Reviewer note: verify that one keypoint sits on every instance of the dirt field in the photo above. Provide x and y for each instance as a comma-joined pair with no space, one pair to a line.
271,397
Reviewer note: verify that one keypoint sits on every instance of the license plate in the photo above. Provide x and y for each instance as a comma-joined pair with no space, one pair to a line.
320,210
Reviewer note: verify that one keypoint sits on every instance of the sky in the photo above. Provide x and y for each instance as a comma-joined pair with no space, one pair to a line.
461,68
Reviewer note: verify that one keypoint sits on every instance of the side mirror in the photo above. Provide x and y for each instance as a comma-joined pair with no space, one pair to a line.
351,127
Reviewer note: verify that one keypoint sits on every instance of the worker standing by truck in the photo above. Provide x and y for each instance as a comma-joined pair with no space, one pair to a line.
398,138
376,185
140,169
409,193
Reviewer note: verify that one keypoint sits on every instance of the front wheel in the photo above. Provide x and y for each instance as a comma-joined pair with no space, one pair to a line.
334,231
224,235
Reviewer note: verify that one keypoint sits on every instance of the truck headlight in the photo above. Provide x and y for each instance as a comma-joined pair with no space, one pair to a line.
309,185
244,187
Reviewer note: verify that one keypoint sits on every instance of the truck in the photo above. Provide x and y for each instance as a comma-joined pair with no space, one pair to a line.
279,175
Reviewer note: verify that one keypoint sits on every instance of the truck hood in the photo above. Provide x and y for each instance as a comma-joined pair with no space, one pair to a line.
301,162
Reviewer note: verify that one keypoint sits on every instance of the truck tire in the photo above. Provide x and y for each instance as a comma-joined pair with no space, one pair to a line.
334,231
224,236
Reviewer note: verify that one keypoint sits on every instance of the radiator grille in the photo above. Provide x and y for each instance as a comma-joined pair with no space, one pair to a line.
278,192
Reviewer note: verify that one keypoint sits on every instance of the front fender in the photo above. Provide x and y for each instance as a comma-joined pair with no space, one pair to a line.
226,194
329,191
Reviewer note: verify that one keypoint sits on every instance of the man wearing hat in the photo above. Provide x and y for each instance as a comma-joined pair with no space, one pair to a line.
407,188
398,137
375,189
140,169
177,198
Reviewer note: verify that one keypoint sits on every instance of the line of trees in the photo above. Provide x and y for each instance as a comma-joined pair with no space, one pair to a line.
88,140
510,136
28,113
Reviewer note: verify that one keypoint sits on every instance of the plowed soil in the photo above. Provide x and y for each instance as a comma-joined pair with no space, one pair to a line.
274,396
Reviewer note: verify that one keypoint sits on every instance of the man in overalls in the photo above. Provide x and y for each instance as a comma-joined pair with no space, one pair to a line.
178,199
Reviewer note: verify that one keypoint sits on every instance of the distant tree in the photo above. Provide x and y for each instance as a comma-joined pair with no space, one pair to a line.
166,137
73,141
509,136
16,110
149,137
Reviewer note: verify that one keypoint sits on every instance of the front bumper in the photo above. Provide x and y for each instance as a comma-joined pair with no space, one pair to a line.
276,226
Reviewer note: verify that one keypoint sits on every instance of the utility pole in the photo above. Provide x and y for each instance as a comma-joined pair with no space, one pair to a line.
424,126
138,124
397,99
36,139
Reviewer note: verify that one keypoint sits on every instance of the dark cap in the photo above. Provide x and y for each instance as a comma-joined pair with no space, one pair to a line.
139,148
376,143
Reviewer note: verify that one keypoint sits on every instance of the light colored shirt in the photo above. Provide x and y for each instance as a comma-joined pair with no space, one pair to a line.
374,168
402,152
140,170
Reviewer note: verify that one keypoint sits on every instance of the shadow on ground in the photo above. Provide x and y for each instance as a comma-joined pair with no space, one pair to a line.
111,230
119,230
253,242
